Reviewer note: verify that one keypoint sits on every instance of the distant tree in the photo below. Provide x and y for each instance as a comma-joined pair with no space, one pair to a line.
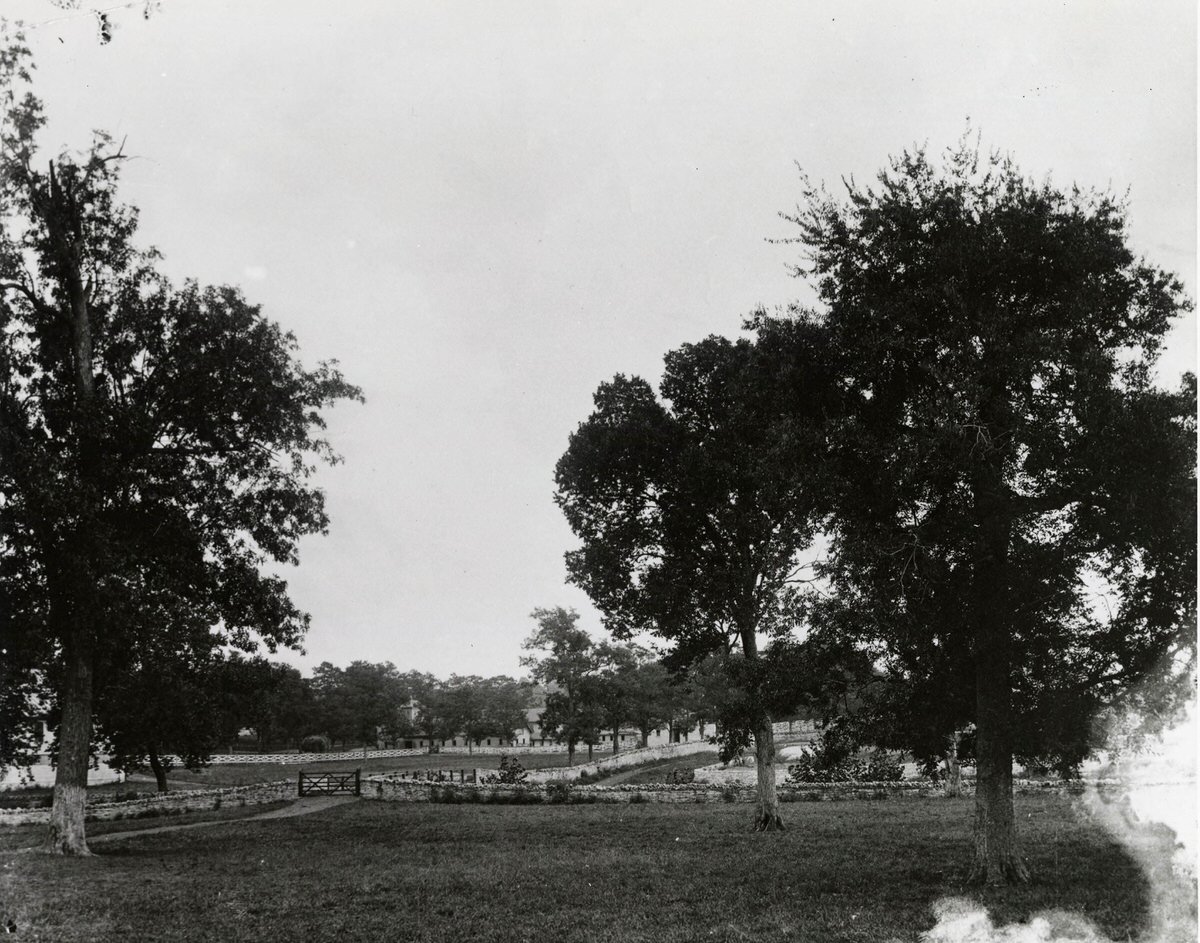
283,710
613,690
1007,460
693,510
485,707
505,704
152,438
647,698
569,656
359,701
437,719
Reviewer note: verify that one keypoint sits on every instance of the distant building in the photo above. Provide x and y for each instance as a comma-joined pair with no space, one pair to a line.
41,773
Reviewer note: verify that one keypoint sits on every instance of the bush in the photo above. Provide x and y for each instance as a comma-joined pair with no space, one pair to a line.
315,743
511,773
729,793
558,791
884,768
831,759
637,798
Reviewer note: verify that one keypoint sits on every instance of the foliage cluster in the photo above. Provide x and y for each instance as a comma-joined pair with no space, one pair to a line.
511,772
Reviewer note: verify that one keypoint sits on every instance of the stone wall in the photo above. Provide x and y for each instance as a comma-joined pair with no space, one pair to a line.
193,800
388,790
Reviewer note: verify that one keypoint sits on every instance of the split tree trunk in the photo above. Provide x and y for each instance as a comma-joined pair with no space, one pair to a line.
768,819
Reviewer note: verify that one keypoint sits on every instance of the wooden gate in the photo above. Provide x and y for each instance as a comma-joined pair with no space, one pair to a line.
331,783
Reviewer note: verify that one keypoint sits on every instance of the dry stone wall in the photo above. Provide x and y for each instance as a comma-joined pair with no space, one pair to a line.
193,800
388,790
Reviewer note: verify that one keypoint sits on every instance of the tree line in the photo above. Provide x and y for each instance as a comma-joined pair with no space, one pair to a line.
175,712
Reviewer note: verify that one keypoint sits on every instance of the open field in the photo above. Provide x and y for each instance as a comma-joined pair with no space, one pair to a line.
867,871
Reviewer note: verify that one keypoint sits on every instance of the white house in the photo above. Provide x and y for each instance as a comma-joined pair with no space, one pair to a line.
41,773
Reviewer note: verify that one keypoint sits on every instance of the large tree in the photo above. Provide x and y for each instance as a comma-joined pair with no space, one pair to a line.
693,510
1016,513
156,442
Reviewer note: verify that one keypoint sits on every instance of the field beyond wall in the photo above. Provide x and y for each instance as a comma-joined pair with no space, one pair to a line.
371,871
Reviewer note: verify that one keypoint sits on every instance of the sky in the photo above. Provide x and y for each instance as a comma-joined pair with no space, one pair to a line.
484,210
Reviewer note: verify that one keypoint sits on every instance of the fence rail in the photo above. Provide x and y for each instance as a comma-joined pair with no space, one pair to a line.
347,782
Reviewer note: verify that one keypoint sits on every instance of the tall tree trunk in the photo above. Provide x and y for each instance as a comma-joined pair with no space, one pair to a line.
997,858
589,751
616,740
768,819
160,771
67,833
570,752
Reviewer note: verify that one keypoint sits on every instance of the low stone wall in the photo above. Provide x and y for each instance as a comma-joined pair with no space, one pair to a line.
385,789
192,800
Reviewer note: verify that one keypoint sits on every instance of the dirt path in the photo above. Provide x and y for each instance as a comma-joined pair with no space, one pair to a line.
305,806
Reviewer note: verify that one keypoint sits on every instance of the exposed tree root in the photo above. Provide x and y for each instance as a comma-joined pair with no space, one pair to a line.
1008,869
768,823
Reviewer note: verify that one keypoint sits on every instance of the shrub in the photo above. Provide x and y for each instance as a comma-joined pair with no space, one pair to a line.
729,793
884,768
315,743
511,773
558,791
637,798
831,759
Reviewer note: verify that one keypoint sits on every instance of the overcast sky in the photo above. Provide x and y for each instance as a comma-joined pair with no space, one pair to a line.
483,210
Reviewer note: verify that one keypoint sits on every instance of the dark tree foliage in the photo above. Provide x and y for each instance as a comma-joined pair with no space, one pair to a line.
692,510
156,445
485,707
1015,525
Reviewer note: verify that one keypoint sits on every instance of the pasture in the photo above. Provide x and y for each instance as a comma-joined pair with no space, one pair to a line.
844,871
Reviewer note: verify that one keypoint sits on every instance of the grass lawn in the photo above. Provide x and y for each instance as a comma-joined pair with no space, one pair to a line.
371,871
